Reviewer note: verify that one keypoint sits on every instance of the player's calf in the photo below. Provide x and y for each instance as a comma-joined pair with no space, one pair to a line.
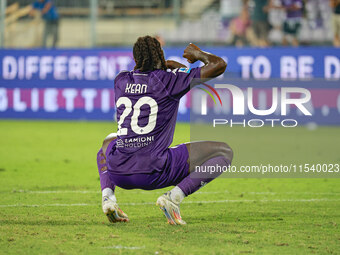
200,152
203,155
226,152
109,201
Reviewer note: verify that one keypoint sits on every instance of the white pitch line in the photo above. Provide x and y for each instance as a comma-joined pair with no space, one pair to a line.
263,201
185,202
47,205
55,191
124,247
147,192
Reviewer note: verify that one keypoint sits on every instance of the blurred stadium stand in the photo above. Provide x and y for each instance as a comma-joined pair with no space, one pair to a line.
119,22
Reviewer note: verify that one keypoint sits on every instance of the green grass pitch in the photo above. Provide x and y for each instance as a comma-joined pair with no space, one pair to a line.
50,201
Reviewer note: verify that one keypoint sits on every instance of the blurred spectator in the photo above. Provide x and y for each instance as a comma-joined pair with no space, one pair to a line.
231,8
51,18
335,4
292,24
276,18
259,21
238,28
160,39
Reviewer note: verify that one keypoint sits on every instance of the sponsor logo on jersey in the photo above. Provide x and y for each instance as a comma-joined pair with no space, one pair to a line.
184,70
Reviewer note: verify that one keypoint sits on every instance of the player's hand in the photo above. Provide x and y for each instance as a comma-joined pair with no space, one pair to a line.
191,53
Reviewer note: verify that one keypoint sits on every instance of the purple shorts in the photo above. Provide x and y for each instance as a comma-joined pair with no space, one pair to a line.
175,170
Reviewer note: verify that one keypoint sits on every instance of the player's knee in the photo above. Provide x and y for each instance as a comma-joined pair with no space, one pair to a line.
226,151
109,138
107,141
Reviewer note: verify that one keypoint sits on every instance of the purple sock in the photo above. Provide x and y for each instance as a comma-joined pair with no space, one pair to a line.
103,173
195,180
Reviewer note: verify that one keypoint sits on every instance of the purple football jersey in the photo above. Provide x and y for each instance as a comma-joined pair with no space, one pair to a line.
293,14
147,104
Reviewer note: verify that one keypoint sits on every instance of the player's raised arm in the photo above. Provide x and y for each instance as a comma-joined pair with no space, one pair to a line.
213,65
172,64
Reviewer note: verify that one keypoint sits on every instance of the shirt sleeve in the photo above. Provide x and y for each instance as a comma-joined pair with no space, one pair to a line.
179,80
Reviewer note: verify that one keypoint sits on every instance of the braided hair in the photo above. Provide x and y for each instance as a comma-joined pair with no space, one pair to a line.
148,54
